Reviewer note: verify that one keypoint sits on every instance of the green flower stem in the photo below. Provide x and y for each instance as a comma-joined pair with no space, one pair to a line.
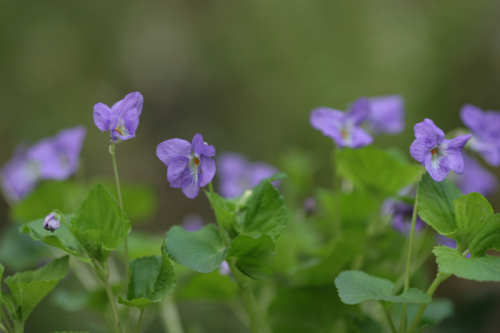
139,322
125,242
7,326
441,277
389,319
18,326
112,304
336,188
255,315
171,319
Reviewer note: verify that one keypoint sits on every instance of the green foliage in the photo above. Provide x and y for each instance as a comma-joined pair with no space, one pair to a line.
435,204
72,332
356,286
305,310
375,170
141,244
210,286
450,261
254,256
202,250
225,210
99,224
264,212
355,207
488,237
29,288
472,211
61,238
436,311
152,279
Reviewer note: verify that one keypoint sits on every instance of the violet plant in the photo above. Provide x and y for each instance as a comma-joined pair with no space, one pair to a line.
297,262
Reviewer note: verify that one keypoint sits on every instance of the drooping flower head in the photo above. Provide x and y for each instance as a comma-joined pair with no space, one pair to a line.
19,176
57,157
122,119
387,114
475,178
486,129
237,174
51,222
343,127
436,153
189,164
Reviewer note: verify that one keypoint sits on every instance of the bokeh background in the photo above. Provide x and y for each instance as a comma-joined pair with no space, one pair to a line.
245,74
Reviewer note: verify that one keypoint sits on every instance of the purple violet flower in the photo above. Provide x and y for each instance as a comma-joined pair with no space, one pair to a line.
122,119
436,153
19,176
449,242
57,157
343,127
192,222
387,114
486,129
51,222
236,174
402,214
224,268
475,178
189,164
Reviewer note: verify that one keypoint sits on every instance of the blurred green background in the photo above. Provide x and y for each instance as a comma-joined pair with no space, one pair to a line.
245,74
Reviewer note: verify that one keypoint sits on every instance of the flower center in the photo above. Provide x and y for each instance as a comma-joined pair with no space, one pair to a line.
197,161
118,130
434,151
344,134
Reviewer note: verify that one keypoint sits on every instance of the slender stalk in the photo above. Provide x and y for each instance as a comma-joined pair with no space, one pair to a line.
139,322
171,319
7,326
336,189
125,242
441,277
389,319
112,304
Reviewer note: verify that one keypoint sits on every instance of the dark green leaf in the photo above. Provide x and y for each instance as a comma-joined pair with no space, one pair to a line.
152,279
29,288
471,212
488,237
100,225
210,286
254,256
356,286
435,204
202,250
61,238
450,261
264,213
375,170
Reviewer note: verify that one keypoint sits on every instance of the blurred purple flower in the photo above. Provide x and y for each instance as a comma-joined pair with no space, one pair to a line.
224,268
189,165
236,174
122,119
51,222
486,129
57,157
436,153
476,178
445,241
19,176
343,127
309,206
401,216
387,114
192,222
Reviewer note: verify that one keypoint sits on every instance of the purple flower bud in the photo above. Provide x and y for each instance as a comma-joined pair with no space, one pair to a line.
224,268
122,119
236,174
343,127
436,153
51,222
387,114
189,164
19,176
192,222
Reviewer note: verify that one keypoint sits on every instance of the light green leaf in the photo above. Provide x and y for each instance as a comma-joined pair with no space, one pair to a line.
224,209
435,204
29,288
254,256
100,225
450,261
9,306
152,279
471,212
202,250
210,286
61,238
356,286
375,170
264,213
65,196
488,237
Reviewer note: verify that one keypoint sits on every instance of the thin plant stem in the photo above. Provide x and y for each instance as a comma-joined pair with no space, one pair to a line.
171,319
112,304
336,189
125,242
139,322
441,277
8,327
389,319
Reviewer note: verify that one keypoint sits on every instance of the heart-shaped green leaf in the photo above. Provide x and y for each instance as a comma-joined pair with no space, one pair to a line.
254,256
471,212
